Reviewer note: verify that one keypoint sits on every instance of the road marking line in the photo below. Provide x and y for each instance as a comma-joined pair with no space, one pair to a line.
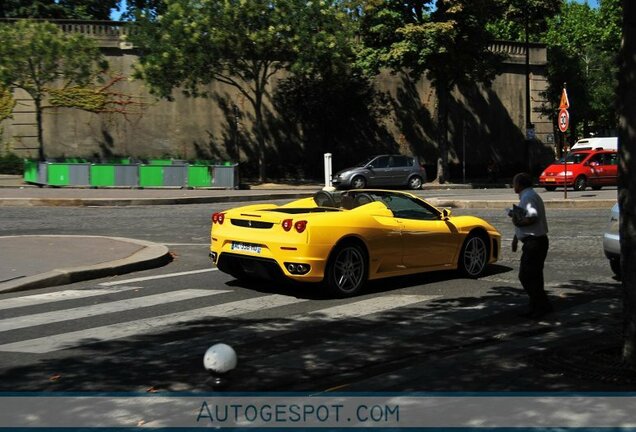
147,278
38,299
102,309
147,325
349,310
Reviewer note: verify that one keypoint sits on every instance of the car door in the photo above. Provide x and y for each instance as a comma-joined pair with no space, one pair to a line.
611,169
594,169
379,171
400,169
427,240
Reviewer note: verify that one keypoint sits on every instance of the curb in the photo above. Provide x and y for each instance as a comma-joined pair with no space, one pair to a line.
121,202
152,255
503,204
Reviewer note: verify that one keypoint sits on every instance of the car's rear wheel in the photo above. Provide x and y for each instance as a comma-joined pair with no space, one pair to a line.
347,270
474,255
615,265
358,182
415,182
580,183
550,188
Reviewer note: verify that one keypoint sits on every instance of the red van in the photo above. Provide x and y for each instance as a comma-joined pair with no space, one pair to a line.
595,168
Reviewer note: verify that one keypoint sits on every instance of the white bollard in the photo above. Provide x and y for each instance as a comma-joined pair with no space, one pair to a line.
328,173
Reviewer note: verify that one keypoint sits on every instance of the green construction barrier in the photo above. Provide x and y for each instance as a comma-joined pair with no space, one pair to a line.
150,175
160,162
102,175
58,174
199,176
30,171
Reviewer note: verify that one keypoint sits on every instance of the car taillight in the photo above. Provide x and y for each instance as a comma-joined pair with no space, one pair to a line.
287,224
218,218
300,225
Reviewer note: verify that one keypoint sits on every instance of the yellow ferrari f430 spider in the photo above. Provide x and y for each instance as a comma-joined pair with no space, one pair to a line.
346,238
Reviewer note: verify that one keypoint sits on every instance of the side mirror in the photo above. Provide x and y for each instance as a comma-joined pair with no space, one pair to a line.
446,213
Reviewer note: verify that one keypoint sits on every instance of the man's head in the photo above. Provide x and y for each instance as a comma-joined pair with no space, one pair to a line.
521,181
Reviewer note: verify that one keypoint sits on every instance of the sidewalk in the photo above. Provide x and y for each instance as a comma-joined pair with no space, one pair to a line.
30,262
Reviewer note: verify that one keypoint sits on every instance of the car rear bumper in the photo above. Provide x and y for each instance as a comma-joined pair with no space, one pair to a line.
611,245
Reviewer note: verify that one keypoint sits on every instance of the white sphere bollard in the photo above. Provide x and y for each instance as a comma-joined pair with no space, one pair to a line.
219,359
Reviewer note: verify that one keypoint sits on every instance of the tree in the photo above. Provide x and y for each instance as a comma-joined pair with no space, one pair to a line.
242,43
38,56
627,178
582,46
448,43
58,9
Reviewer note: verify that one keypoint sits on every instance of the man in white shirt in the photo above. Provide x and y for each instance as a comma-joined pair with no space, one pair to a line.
531,228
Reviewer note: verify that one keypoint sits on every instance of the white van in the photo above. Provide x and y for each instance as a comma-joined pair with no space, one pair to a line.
608,143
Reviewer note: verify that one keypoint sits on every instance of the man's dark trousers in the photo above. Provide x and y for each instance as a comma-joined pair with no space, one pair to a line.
534,253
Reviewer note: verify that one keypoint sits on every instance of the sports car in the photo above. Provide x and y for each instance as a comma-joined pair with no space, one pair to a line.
343,239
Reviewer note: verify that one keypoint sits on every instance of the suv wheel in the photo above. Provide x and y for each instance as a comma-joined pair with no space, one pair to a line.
415,182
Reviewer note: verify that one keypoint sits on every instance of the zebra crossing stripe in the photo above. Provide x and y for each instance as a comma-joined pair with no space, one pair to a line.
102,308
38,299
161,276
345,311
147,325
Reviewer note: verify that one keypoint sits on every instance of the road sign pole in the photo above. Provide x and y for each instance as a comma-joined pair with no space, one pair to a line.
563,121
565,170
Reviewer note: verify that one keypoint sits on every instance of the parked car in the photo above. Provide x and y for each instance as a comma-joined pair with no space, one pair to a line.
611,241
595,168
381,171
342,239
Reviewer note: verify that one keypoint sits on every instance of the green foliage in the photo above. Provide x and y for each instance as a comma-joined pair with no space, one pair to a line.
241,43
36,54
518,15
583,44
58,9
39,56
6,103
84,98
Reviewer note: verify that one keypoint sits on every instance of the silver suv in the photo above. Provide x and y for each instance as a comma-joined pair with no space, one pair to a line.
611,241
382,170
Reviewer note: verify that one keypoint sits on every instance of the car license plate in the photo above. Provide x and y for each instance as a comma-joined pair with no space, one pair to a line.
550,179
246,247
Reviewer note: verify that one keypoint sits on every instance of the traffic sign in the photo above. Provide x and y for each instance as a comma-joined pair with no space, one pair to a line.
564,120
565,102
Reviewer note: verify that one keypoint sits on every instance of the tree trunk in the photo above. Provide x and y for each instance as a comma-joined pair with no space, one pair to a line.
627,177
38,120
442,127
260,136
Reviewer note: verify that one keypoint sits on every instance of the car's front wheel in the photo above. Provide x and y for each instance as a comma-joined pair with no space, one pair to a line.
580,183
347,270
474,255
415,182
358,182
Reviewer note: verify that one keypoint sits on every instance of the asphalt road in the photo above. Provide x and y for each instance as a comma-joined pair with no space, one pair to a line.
288,337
